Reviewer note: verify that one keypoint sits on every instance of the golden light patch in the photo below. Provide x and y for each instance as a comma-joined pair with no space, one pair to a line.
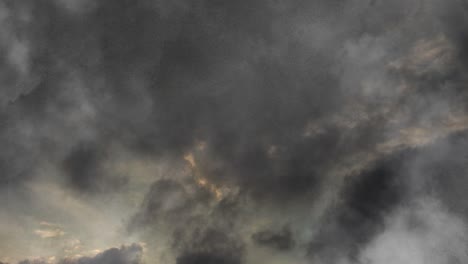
49,230
202,181
51,233
428,55
419,136
190,159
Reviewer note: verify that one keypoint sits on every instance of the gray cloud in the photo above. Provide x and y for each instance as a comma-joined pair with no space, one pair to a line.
280,240
202,128
422,234
124,255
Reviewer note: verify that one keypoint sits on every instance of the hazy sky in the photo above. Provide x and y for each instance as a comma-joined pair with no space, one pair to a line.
233,131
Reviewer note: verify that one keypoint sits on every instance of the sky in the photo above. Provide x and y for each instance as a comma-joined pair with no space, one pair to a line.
233,132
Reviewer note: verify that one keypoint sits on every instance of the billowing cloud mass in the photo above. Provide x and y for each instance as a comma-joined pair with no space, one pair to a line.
124,255
235,132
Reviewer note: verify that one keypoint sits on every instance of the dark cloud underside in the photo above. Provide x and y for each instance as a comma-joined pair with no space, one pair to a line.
216,131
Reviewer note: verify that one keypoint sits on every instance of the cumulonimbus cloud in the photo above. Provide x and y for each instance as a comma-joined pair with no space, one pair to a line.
232,131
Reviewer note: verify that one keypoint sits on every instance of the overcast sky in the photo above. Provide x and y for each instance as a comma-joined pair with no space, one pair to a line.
233,131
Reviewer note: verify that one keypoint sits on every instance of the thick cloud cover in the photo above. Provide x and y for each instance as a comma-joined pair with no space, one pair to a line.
216,131
124,255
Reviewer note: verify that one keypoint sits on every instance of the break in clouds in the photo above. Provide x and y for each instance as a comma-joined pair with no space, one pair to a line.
233,132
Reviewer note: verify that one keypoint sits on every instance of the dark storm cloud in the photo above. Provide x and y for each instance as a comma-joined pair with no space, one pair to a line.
211,246
282,105
33,262
367,201
201,69
280,240
166,199
198,258
185,216
124,255
82,167
393,183
440,168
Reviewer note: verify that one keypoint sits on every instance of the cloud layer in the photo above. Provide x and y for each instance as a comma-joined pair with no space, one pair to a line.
124,255
216,131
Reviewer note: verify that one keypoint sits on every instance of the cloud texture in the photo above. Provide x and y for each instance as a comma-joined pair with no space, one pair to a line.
217,131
